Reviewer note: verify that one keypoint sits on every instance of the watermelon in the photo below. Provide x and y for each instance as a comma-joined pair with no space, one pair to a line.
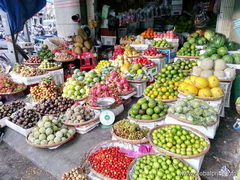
218,40
232,46
215,57
222,51
209,34
191,40
228,59
210,51
236,58
203,56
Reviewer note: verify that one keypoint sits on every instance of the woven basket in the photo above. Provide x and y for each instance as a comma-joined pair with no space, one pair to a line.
164,100
162,47
137,141
12,93
51,69
189,57
153,57
161,150
62,60
132,81
106,144
238,108
52,145
131,167
84,123
204,98
190,122
146,121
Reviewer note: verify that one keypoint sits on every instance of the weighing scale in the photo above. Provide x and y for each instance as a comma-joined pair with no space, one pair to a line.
106,117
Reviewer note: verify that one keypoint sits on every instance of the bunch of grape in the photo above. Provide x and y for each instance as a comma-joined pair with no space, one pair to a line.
128,130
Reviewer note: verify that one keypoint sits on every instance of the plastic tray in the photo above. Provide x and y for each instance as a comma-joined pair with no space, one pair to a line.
17,128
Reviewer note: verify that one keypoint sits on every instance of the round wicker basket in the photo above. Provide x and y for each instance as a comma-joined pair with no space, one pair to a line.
131,167
52,145
161,150
190,122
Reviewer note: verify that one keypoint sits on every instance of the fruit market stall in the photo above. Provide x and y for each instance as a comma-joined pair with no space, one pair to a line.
157,109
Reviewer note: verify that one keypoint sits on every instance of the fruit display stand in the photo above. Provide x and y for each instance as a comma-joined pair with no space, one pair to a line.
57,76
226,86
170,54
209,131
235,66
86,128
17,128
149,125
159,61
3,122
140,47
125,97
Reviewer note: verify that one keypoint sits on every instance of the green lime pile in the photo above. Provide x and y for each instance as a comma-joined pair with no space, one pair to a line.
158,167
148,109
188,49
185,64
162,43
170,72
45,53
178,140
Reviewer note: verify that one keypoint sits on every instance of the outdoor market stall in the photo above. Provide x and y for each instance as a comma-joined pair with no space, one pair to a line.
178,107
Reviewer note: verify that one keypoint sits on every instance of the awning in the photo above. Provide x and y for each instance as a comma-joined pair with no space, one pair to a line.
19,11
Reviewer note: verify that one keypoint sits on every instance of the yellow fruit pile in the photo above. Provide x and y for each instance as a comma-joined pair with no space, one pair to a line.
202,87
130,51
102,64
162,91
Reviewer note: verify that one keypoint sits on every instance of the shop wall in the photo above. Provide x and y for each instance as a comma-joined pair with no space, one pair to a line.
236,15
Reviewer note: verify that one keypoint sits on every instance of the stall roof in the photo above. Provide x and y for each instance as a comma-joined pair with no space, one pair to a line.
19,11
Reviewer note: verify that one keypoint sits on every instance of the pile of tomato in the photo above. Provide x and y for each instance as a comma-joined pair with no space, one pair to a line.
110,162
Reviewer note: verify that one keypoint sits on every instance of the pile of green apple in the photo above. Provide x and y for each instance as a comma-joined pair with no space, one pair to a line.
49,131
75,89
137,73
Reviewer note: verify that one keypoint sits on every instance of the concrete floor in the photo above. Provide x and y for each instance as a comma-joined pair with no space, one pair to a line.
224,151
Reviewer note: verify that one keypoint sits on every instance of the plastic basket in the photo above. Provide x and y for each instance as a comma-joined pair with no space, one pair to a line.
108,40
140,87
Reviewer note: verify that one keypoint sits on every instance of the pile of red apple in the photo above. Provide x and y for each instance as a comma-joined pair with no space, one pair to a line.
118,50
167,35
143,61
153,52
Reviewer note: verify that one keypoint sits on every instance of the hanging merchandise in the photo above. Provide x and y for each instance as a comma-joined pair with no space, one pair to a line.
201,18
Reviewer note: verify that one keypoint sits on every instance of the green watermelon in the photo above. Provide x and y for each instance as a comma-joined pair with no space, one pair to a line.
222,51
209,34
203,56
228,59
210,51
215,57
218,40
